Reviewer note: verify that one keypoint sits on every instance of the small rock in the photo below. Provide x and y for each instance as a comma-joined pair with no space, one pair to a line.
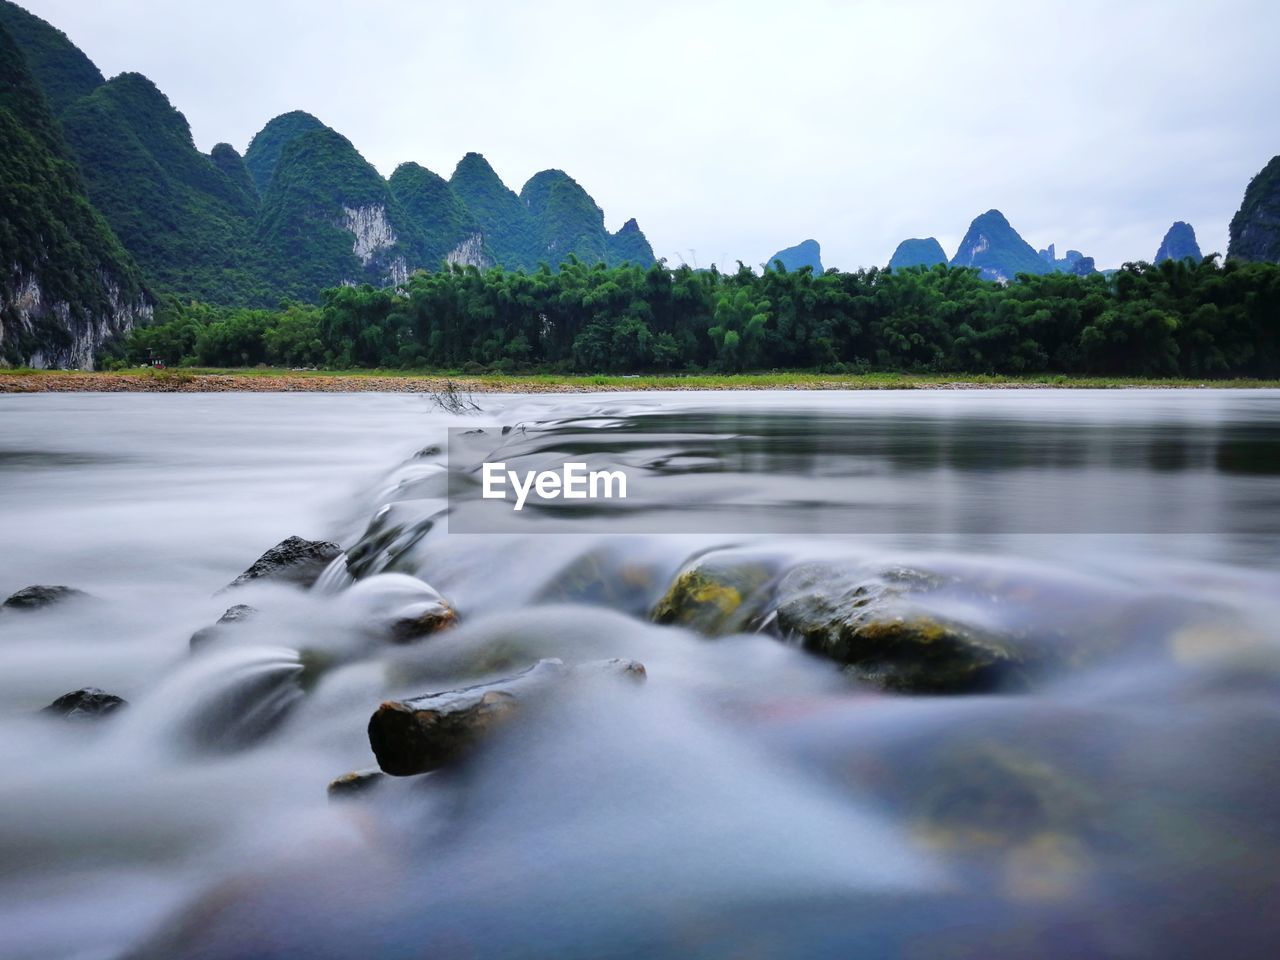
295,560
717,594
235,614
87,703
37,597
421,620
356,783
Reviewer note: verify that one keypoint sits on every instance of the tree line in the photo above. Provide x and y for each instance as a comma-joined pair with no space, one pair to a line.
1179,318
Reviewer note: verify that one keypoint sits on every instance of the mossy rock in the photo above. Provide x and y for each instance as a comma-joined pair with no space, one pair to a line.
870,624
718,594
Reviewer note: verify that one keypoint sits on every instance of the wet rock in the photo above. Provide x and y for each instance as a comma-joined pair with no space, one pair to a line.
421,620
87,703
37,597
425,733
295,561
236,614
717,594
356,783
606,577
392,534
870,624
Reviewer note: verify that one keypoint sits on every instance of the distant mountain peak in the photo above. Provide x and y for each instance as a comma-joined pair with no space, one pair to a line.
263,152
806,253
997,250
1255,229
1179,243
918,252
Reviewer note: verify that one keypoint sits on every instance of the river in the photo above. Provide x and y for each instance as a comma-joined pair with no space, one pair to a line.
1103,783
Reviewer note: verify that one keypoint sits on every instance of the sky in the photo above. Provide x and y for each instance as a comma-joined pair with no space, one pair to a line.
733,129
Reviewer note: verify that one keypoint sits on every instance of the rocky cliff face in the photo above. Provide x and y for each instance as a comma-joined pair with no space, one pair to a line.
1179,243
66,285
1255,229
470,253
369,227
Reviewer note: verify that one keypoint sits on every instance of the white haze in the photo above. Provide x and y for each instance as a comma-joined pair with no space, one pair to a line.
735,129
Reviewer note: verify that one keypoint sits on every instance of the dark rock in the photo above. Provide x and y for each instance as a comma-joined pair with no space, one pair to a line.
1255,229
1179,244
87,703
356,783
422,620
296,561
425,733
37,597
236,614
870,624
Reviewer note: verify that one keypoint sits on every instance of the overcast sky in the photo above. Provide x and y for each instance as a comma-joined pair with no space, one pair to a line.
735,129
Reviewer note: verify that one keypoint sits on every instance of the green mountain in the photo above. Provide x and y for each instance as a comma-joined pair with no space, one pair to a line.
567,221
60,68
328,217
917,252
266,146
509,230
630,245
997,251
66,284
1179,244
231,164
1255,229
186,223
805,254
448,231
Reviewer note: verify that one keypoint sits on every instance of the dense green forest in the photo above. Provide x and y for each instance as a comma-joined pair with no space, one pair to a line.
1180,318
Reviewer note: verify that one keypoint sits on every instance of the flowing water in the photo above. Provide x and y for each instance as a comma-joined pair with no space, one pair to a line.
751,798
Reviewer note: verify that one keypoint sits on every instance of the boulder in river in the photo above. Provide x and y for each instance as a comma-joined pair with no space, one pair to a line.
295,561
234,614
717,594
38,596
870,624
87,703
355,783
425,733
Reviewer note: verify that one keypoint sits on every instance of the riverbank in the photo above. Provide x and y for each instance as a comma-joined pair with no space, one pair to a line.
395,381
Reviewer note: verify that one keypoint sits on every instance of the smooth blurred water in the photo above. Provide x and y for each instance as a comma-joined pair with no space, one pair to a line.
749,799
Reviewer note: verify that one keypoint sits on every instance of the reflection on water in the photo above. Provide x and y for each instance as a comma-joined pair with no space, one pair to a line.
1114,798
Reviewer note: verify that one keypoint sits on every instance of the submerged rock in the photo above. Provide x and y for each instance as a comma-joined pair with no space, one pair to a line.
38,596
87,703
295,561
356,783
869,624
425,733
717,594
235,614
421,620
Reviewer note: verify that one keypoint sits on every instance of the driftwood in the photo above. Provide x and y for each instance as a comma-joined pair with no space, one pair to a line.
424,733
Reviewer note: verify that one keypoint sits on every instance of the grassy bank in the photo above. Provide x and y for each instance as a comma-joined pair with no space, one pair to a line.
193,380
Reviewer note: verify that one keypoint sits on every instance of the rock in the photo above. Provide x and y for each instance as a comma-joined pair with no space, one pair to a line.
421,620
87,703
717,594
38,597
355,784
425,733
236,614
296,561
869,624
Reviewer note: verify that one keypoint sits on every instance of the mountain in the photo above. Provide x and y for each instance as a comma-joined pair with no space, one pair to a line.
807,253
1179,244
918,253
1074,262
66,284
509,231
232,165
328,217
268,143
630,245
186,222
59,67
566,221
996,250
450,234
1255,229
